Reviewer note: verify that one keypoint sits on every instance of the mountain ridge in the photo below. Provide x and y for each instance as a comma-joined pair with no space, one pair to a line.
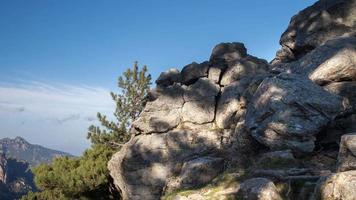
34,154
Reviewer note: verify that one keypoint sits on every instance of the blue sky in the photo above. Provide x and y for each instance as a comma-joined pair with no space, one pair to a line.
59,58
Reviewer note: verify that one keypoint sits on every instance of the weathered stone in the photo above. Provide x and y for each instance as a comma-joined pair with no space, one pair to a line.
339,186
231,105
168,77
339,67
345,89
277,159
201,90
347,153
228,52
143,165
199,112
313,26
199,106
163,113
196,172
248,66
214,74
233,100
334,61
288,111
192,72
259,189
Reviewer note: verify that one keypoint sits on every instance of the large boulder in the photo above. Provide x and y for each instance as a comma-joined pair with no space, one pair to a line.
144,165
192,72
288,111
228,52
315,25
339,186
334,61
168,77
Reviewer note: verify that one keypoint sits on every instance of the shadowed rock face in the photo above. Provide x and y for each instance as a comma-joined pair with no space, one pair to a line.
287,111
237,112
315,25
16,178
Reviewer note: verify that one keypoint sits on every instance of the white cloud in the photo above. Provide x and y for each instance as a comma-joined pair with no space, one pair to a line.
53,115
60,100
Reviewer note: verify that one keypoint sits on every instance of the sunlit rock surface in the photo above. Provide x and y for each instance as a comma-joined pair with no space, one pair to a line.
236,126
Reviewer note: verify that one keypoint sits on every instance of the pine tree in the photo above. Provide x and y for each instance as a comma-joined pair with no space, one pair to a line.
130,101
87,176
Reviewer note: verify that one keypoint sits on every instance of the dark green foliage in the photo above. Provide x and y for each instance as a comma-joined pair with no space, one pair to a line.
83,177
130,101
87,176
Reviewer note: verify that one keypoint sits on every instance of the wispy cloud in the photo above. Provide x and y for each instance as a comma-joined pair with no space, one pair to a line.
54,115
60,102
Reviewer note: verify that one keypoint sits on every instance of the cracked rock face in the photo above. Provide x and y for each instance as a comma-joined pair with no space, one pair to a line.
222,112
288,110
315,25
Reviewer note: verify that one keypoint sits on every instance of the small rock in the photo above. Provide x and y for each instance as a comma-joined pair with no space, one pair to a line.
258,189
168,77
347,153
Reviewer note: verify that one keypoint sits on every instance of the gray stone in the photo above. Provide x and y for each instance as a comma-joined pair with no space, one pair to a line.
214,74
313,26
196,172
233,100
288,111
248,66
143,165
347,153
338,186
199,106
163,113
168,77
277,159
228,52
345,89
335,61
258,189
192,72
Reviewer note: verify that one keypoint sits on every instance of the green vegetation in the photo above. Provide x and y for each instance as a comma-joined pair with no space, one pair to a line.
87,176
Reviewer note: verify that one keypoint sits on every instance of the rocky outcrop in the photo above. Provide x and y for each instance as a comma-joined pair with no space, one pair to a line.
287,111
236,126
315,25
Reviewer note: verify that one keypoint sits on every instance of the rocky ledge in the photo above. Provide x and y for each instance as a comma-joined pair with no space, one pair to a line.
236,126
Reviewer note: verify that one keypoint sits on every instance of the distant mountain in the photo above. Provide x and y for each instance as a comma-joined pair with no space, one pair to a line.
16,178
20,149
